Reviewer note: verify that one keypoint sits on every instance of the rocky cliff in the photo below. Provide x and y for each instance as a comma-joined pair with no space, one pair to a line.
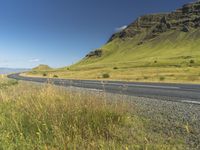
183,19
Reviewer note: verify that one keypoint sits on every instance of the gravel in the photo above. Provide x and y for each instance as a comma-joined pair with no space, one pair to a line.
170,117
173,116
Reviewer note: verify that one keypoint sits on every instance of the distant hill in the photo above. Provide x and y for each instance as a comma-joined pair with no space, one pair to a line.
42,68
11,70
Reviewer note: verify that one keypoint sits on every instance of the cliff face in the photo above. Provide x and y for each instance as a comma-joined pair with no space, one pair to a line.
182,19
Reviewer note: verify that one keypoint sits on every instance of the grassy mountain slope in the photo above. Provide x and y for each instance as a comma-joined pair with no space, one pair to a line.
158,47
173,48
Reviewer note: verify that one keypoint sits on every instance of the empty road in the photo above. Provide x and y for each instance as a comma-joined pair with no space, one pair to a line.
187,93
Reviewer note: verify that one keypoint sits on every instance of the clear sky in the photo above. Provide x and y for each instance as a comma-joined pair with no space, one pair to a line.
60,32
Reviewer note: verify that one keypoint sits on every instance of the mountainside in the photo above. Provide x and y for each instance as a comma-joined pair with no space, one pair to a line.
156,47
155,37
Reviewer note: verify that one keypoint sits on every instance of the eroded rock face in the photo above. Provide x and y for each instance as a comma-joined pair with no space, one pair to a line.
137,27
182,19
95,53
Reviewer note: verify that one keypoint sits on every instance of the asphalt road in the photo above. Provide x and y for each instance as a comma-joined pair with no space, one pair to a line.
187,93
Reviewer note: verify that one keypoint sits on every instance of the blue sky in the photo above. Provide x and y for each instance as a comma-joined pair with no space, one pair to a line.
60,32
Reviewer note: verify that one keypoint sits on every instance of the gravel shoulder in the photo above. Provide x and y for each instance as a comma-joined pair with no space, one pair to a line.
165,116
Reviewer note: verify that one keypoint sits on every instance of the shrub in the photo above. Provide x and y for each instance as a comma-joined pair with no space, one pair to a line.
44,74
192,61
178,66
146,77
155,61
106,75
115,68
162,78
55,76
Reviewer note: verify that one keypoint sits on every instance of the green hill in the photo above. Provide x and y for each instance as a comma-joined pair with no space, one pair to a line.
157,47
173,48
167,39
42,68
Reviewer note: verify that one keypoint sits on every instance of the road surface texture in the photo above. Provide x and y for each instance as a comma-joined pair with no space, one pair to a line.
187,93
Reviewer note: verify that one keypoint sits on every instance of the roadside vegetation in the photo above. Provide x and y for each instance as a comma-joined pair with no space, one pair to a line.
34,116
5,83
144,74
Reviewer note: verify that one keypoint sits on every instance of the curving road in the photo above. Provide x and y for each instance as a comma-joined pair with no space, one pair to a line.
187,93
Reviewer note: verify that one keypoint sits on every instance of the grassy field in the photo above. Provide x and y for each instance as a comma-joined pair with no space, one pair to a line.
5,83
173,56
145,74
46,117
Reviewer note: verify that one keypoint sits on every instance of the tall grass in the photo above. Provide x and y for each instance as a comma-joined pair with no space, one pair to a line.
4,82
48,117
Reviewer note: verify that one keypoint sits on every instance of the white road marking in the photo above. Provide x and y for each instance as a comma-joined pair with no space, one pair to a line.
155,86
135,85
95,90
191,102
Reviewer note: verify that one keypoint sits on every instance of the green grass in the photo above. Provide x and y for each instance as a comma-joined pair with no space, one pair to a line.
174,55
42,67
48,117
170,48
5,83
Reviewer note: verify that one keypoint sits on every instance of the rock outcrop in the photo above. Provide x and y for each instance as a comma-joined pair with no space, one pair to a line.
183,19
95,53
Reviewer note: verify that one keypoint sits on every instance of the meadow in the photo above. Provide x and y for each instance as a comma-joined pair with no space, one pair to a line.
139,74
35,116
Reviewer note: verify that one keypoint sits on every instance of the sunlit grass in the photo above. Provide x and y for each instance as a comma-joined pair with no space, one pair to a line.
4,82
144,74
172,57
48,117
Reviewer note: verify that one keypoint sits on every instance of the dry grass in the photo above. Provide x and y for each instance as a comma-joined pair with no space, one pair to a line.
48,117
142,74
5,83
